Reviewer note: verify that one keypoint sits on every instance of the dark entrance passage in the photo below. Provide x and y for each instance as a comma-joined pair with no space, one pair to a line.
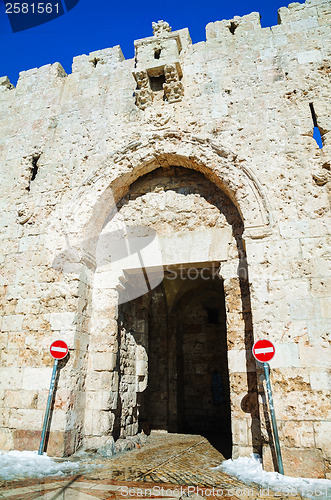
203,381
183,323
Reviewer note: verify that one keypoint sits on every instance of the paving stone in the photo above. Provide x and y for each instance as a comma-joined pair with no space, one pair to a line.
168,466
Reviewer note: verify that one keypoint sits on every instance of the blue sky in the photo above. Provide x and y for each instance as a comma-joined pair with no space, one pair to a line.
97,24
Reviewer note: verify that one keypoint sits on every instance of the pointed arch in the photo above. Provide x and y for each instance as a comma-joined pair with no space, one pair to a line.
89,208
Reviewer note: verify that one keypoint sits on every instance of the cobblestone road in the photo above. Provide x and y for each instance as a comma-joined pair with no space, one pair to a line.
169,466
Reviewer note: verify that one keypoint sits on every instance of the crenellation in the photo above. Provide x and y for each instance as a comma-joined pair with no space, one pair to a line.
37,79
230,30
239,25
5,83
100,60
296,12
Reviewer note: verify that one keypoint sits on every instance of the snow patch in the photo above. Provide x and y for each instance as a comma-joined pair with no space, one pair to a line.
19,464
249,470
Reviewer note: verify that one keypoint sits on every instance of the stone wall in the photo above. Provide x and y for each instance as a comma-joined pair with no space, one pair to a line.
236,109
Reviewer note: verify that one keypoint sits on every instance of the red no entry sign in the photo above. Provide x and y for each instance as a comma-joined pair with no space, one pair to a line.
263,350
59,349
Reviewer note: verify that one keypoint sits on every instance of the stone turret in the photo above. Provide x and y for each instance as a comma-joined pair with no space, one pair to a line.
157,66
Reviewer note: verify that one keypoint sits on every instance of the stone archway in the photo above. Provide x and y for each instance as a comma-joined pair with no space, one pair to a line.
194,208
88,210
89,213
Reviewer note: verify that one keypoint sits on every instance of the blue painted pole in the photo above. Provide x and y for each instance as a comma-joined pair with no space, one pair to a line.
48,407
273,419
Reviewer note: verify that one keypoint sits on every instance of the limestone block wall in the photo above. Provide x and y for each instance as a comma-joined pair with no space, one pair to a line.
238,109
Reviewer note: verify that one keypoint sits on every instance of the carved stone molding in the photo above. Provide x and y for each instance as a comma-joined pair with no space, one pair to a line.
322,175
24,212
160,28
164,149
173,88
144,98
158,119
144,94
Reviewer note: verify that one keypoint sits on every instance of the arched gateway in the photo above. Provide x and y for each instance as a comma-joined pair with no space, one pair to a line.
152,361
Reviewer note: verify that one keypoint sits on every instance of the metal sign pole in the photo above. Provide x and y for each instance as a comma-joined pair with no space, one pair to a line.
273,419
49,402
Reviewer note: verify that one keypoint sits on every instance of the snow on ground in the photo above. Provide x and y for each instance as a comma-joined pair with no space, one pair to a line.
19,464
249,470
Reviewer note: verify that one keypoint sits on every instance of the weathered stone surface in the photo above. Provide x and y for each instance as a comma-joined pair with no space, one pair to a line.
298,462
209,148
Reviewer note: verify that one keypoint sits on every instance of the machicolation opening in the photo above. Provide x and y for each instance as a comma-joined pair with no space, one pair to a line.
157,82
157,53
233,26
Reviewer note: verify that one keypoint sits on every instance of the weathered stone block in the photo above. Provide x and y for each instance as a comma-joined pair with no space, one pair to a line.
322,432
320,380
26,418
315,354
302,405
12,323
325,306
298,462
305,309
62,320
287,355
241,361
102,381
98,422
319,330
11,377
103,361
6,439
320,287
298,434
240,430
36,378
310,55
59,444
21,399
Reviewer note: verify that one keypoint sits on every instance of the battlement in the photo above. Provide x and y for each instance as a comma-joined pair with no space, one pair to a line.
101,58
226,29
242,32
